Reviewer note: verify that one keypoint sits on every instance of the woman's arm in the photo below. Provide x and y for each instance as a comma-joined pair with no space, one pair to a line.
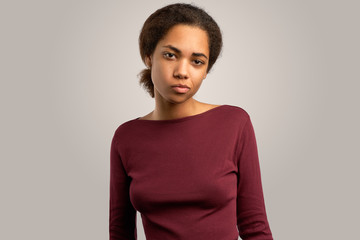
122,218
251,215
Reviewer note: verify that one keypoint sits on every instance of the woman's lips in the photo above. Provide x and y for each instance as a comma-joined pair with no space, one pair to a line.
181,88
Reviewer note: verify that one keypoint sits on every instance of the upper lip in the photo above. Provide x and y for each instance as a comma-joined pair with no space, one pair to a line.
181,85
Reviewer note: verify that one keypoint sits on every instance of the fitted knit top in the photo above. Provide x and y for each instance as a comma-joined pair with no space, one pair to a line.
195,177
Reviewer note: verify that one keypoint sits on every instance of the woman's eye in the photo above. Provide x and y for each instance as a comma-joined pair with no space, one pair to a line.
169,55
198,62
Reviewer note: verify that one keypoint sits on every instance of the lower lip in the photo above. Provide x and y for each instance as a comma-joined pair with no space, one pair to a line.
181,89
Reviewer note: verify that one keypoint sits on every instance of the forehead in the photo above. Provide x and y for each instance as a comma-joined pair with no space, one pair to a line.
187,39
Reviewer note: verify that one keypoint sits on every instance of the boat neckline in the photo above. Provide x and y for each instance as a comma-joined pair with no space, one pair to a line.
182,118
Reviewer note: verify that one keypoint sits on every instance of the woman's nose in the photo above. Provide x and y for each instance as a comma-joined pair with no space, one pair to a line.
181,70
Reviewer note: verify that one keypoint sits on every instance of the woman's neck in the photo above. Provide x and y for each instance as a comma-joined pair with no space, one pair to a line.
165,110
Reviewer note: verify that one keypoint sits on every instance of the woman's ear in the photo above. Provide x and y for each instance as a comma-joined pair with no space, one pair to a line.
148,61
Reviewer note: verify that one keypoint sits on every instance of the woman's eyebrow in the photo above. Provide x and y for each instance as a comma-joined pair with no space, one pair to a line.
178,51
172,48
200,55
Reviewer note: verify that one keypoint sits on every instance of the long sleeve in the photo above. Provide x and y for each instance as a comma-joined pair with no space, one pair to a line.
251,215
122,217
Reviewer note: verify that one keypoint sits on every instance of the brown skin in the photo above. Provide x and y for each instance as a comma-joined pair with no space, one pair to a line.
181,57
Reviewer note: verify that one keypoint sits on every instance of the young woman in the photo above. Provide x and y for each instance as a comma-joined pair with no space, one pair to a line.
190,168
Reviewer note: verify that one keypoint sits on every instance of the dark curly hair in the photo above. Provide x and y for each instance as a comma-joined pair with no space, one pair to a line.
160,22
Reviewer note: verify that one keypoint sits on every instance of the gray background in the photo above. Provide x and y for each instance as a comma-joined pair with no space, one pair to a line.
68,79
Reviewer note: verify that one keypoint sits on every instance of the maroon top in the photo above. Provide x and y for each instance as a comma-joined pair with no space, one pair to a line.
196,177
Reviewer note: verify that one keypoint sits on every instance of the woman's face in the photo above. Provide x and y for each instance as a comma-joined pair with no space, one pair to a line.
179,63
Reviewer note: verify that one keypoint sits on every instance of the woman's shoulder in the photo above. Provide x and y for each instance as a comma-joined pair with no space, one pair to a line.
234,111
125,128
227,114
230,109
